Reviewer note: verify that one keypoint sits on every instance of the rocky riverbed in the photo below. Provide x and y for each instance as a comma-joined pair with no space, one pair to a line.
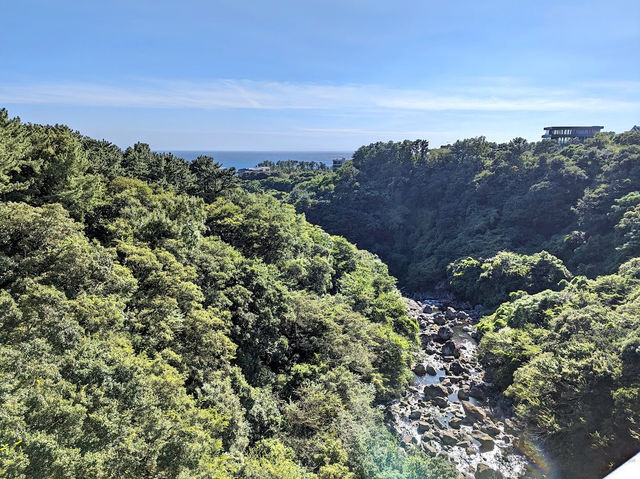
450,410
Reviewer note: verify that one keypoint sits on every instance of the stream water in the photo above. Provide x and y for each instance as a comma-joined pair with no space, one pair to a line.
446,411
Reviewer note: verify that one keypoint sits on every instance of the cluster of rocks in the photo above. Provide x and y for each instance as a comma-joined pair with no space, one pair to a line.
445,411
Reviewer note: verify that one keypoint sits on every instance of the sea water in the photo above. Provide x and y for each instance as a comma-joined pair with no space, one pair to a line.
248,159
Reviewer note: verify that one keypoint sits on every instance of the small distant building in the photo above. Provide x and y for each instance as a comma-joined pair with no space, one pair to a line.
337,163
564,134
255,170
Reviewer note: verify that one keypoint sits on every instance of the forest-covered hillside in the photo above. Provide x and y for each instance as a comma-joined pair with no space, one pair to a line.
545,236
422,209
156,320
160,318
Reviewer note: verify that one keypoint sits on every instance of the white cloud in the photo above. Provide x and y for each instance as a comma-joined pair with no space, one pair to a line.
497,95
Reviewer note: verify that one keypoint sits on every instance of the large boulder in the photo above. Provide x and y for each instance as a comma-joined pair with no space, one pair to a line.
431,371
441,402
485,472
445,333
486,442
435,390
455,422
428,309
491,429
423,426
456,368
420,369
449,438
477,392
450,313
463,395
473,412
438,318
450,349
425,339
415,414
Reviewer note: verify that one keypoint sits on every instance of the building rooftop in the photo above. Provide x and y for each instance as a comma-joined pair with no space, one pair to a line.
566,134
572,127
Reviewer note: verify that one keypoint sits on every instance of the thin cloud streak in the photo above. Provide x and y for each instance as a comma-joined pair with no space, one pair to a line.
379,133
255,95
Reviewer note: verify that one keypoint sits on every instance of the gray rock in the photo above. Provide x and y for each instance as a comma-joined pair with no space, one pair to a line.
450,313
486,442
440,424
423,426
420,369
456,368
463,395
485,472
450,349
440,402
435,390
415,414
492,430
445,333
455,422
431,371
428,436
425,339
473,411
439,319
449,438
477,393
428,309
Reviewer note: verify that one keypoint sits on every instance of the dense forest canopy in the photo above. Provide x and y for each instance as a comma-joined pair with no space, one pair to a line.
422,209
545,236
160,318
156,320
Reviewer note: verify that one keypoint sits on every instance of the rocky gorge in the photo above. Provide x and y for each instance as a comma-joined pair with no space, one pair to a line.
450,409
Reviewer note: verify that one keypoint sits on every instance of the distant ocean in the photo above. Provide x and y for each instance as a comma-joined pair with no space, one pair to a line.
248,159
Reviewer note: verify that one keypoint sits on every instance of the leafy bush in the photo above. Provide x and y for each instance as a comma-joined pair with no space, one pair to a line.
490,281
569,360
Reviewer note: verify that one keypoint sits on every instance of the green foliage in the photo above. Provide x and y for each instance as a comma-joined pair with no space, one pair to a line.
210,178
422,209
157,322
13,155
569,360
490,281
499,222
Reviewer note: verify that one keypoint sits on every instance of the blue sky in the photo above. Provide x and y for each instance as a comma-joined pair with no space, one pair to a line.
319,75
